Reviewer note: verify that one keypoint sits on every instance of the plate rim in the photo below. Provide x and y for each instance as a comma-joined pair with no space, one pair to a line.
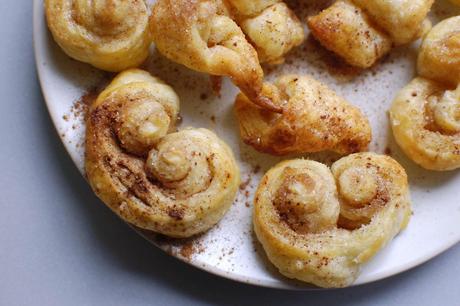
38,16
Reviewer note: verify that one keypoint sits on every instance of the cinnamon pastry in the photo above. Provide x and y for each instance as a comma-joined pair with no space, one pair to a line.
111,35
425,117
201,35
439,57
301,206
314,119
270,26
178,184
362,31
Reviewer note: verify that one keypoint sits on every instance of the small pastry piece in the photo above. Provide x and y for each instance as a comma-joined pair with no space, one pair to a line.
403,20
425,117
299,204
439,57
347,31
274,31
110,35
177,184
314,119
361,32
201,35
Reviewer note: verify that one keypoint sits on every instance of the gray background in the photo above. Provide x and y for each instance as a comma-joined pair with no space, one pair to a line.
59,245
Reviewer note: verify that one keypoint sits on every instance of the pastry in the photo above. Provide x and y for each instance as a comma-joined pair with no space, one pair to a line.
179,183
439,57
425,116
361,32
270,26
201,35
320,226
110,35
314,119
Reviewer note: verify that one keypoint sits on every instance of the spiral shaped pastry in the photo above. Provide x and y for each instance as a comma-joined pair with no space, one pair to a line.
361,32
270,26
201,35
112,35
300,206
439,57
314,119
425,117
178,184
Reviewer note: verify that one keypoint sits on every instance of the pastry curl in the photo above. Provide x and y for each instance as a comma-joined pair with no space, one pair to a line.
177,184
314,119
361,32
271,27
425,117
439,57
201,35
299,205
112,35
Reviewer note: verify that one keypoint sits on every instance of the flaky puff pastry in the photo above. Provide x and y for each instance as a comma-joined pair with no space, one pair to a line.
270,26
177,184
439,57
112,35
314,119
425,118
201,35
361,32
300,205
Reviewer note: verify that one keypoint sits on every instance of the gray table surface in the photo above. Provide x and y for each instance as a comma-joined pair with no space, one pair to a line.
60,246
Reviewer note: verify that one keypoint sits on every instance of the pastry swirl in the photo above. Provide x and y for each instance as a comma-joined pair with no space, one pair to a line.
300,207
201,35
177,184
112,35
425,118
314,119
362,32
439,57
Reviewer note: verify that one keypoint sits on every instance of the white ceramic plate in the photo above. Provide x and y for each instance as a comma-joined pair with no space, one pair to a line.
230,249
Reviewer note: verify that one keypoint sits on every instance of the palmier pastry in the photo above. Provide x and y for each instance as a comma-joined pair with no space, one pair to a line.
112,35
178,184
439,57
270,26
425,115
320,226
314,119
201,35
363,31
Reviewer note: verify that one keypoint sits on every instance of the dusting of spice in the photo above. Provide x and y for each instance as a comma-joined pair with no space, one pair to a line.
216,84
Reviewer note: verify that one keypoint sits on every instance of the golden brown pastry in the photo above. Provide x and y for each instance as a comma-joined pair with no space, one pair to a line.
270,26
201,35
178,184
439,57
314,119
361,32
301,208
112,35
347,31
456,2
425,117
